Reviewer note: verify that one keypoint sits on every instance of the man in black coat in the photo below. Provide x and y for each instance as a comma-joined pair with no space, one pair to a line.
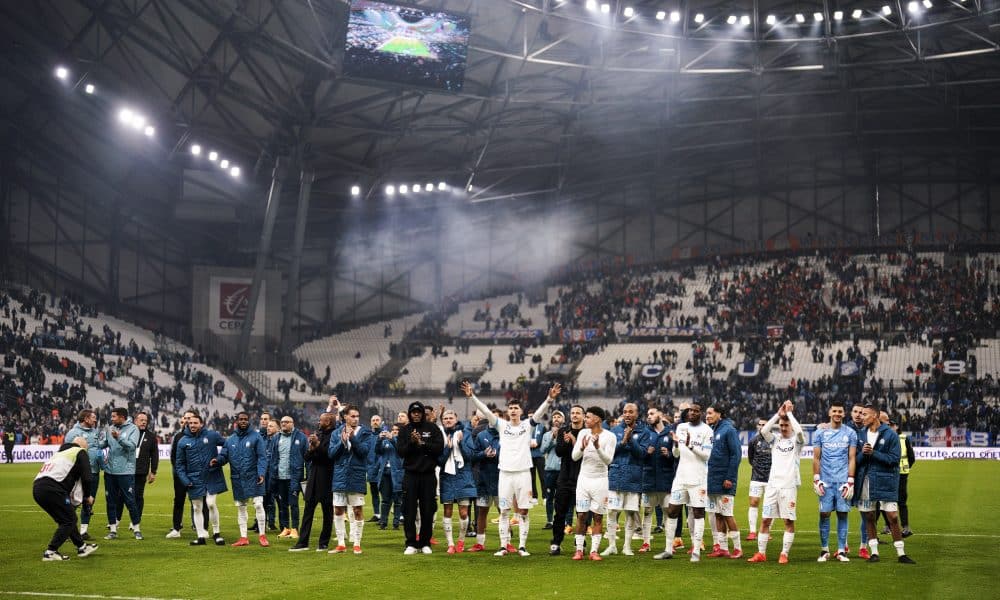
319,487
419,444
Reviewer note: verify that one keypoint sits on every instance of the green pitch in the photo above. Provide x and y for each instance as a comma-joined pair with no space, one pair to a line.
407,47
951,505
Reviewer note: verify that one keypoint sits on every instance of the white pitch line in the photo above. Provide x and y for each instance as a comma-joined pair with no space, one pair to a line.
98,596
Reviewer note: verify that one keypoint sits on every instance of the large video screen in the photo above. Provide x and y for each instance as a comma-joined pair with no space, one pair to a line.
408,45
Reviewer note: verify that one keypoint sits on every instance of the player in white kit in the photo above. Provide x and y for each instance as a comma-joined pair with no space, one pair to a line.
515,462
781,493
595,449
692,446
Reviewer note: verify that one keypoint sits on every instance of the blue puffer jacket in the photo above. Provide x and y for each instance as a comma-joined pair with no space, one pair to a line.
881,467
488,469
724,462
120,459
194,453
93,444
374,470
461,485
296,461
350,461
246,453
536,436
625,471
385,450
658,474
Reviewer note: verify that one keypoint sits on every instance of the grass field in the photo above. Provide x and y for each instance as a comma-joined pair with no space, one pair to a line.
407,47
952,506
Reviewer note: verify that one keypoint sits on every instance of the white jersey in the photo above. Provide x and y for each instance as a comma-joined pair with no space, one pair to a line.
515,440
786,455
594,461
692,468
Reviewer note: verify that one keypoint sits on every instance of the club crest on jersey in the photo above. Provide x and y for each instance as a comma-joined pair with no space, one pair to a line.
204,440
248,444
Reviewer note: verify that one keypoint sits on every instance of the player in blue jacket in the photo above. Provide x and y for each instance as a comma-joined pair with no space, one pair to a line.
658,474
485,455
287,468
350,445
625,478
457,485
390,476
198,469
723,470
246,453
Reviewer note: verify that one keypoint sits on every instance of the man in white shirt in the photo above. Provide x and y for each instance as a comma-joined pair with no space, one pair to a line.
515,462
781,493
595,449
692,446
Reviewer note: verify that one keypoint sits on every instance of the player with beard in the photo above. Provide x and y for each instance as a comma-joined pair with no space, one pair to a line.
625,478
858,425
692,446
246,453
658,475
569,472
759,455
350,446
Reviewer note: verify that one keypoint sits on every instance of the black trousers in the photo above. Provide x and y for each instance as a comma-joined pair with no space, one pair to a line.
325,501
55,501
419,493
904,510
373,487
180,501
140,495
9,452
563,502
537,470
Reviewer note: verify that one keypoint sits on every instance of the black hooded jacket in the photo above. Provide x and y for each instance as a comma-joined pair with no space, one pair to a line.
420,457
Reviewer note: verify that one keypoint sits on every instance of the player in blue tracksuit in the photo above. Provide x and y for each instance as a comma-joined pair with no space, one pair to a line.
198,469
246,453
121,440
834,450
457,485
723,470
390,477
625,478
485,455
86,427
350,445
658,475
857,424
287,468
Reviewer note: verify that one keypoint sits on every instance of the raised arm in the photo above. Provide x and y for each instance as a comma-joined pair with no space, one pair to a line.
482,408
543,409
768,429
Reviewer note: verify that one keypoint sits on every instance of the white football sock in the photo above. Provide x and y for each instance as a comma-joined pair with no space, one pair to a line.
595,541
786,541
581,541
241,518
504,528
735,537
612,528
199,518
899,548
647,526
671,528
523,530
873,545
260,513
697,536
752,518
463,526
762,540
448,534
339,525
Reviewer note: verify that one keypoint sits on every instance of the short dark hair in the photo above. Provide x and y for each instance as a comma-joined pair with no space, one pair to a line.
871,405
514,401
598,412
196,416
121,412
836,402
265,413
351,407
241,413
84,414
719,409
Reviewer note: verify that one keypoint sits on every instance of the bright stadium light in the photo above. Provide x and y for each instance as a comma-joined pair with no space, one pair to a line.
125,116
800,18
628,12
660,15
138,122
913,7
591,5
196,149
404,189
699,18
390,190
442,186
675,16
886,10
745,20
149,131
838,15
355,190
62,73
857,14
928,4
605,8
731,19
213,156
235,171
429,187
818,17
89,88
224,164
771,19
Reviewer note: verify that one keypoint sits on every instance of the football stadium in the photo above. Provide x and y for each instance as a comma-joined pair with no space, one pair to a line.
427,298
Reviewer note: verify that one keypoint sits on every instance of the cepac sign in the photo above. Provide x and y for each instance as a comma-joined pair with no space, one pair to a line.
229,299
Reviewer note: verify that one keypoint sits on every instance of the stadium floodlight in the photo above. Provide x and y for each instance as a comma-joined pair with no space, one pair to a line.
731,19
429,187
442,186
857,14
62,73
913,7
592,5
224,164
390,190
675,16
660,15
416,188
125,116
196,149
745,20
629,12
928,4
699,18
818,17
235,171
838,15
149,131
89,88
404,189
138,122
800,18
886,10
355,190
213,156
771,19
605,8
